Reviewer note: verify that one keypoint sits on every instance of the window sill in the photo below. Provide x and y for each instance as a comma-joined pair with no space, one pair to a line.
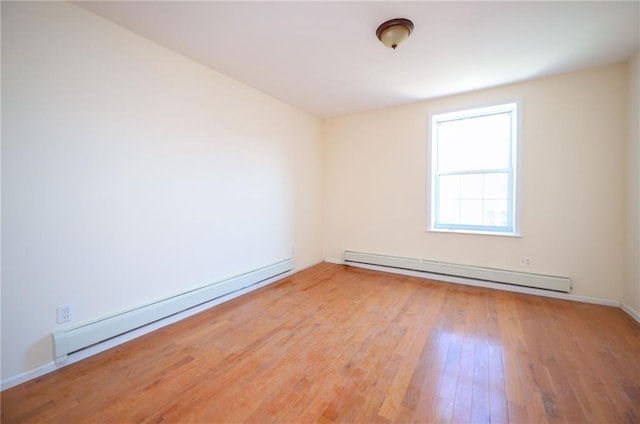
480,233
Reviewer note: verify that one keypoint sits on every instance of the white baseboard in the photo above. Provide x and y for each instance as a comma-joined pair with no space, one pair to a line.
632,312
575,298
302,268
116,341
486,284
334,261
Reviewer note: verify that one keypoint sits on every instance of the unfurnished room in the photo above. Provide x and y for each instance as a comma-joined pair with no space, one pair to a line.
317,212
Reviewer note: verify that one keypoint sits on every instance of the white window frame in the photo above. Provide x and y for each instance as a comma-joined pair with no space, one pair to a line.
513,226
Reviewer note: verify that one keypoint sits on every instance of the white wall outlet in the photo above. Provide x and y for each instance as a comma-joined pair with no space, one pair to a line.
64,313
525,261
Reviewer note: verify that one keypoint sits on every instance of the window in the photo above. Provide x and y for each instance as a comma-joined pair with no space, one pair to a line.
473,170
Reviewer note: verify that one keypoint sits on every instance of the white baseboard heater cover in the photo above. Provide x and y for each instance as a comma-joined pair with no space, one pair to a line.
74,339
525,279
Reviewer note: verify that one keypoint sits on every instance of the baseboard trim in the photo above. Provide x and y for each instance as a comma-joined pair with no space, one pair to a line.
302,268
629,310
473,272
485,284
116,341
334,261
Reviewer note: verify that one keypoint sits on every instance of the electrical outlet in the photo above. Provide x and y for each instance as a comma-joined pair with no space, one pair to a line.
525,261
64,313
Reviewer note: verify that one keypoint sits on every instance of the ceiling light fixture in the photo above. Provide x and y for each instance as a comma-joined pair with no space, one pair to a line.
394,32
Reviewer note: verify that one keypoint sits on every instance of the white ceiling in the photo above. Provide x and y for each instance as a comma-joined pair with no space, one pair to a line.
324,57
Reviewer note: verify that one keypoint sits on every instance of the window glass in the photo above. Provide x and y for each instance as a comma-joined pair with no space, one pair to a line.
473,170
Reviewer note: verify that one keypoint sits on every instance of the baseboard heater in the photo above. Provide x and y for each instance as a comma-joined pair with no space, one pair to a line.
525,279
72,340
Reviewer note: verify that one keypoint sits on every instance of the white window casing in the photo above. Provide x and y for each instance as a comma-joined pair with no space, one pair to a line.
474,164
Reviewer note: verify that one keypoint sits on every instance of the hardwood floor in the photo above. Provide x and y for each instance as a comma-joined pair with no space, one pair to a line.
341,344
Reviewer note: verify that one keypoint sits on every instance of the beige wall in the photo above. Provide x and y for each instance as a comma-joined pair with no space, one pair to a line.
131,173
632,281
573,182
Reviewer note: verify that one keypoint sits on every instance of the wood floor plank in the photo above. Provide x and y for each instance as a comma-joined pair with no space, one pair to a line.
410,348
340,344
510,331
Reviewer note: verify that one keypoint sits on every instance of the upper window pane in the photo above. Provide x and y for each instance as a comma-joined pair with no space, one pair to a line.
481,142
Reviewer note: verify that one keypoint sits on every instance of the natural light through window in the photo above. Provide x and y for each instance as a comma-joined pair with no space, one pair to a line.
473,170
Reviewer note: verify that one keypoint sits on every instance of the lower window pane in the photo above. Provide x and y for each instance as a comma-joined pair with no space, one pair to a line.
471,186
449,187
496,185
449,212
496,213
471,212
473,200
